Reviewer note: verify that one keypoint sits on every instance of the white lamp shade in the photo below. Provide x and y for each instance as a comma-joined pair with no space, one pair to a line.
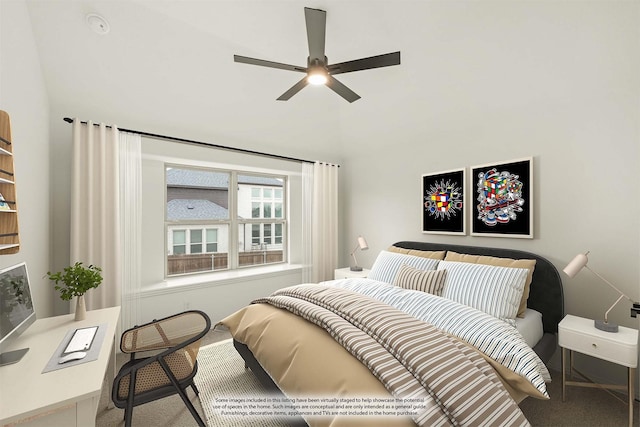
576,264
362,243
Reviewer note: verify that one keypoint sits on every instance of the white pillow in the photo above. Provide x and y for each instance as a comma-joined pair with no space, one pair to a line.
386,266
492,289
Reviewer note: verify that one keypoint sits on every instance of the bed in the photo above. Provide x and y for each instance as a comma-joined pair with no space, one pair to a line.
300,342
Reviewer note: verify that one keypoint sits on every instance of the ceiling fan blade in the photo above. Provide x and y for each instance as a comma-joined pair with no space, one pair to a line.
270,64
378,61
341,89
316,27
294,89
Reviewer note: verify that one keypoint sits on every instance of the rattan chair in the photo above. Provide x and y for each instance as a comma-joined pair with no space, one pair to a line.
174,342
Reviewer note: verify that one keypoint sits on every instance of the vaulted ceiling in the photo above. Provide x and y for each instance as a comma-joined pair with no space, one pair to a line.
166,66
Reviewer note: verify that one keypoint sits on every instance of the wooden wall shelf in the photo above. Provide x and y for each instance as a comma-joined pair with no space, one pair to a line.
9,233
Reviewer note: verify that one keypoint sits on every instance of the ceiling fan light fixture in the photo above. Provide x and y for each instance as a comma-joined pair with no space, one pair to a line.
317,77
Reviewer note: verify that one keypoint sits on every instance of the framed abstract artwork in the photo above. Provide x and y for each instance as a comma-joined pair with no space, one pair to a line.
502,196
443,207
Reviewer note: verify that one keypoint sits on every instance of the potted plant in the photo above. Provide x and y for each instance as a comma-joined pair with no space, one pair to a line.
74,281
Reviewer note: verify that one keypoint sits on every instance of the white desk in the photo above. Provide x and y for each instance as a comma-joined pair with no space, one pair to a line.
66,396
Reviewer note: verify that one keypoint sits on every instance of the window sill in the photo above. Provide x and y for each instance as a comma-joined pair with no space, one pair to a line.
220,278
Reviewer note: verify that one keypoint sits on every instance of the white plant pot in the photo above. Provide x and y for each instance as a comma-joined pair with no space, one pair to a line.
81,308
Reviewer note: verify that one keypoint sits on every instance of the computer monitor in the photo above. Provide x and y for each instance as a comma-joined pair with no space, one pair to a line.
16,310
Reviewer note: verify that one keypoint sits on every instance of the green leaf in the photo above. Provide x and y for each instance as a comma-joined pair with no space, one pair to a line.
76,280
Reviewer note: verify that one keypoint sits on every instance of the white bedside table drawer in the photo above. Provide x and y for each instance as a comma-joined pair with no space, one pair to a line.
598,347
578,334
346,273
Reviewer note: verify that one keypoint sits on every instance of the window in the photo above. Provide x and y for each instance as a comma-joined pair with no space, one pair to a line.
277,238
212,240
179,242
190,241
201,211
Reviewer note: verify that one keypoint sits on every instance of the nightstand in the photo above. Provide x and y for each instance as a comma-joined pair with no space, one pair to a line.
346,273
579,334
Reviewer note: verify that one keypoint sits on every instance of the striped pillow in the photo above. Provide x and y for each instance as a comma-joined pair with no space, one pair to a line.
529,264
430,281
494,290
387,265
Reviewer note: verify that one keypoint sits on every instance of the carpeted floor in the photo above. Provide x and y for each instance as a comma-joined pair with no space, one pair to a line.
587,407
220,363
584,406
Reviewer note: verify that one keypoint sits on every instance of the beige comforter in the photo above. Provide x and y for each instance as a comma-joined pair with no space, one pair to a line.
305,360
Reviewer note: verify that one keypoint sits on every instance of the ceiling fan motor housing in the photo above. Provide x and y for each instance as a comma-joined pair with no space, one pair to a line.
316,62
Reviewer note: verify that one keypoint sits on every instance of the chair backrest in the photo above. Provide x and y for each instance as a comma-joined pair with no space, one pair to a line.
180,330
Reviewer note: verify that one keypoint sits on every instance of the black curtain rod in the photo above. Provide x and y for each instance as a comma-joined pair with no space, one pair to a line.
205,144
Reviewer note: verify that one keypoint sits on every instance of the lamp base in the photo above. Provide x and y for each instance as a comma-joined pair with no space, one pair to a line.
605,326
356,268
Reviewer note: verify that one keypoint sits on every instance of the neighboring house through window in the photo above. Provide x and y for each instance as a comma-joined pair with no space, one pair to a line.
204,220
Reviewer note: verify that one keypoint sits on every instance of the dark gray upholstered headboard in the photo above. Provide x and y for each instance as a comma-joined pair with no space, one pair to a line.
546,295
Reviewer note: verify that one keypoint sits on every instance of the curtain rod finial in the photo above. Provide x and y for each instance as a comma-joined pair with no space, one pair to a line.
68,120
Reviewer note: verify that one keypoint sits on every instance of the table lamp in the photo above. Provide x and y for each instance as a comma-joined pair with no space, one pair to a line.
363,246
578,263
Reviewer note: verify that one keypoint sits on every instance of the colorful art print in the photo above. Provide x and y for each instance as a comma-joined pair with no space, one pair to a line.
443,210
503,199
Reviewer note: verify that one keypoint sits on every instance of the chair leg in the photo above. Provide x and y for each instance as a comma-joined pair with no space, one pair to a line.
128,411
191,408
128,415
181,391
195,389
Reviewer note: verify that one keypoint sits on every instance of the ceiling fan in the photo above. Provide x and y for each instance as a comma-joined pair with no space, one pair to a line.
318,70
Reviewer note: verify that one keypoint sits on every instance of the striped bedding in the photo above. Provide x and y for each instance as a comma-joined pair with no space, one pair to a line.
413,359
494,337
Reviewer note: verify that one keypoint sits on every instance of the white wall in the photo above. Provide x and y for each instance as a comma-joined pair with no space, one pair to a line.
558,81
23,96
217,299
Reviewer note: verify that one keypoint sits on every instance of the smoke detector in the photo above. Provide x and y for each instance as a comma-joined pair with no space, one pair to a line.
97,23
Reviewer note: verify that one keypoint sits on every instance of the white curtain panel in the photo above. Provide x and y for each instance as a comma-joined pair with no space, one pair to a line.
324,221
131,222
307,221
95,208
